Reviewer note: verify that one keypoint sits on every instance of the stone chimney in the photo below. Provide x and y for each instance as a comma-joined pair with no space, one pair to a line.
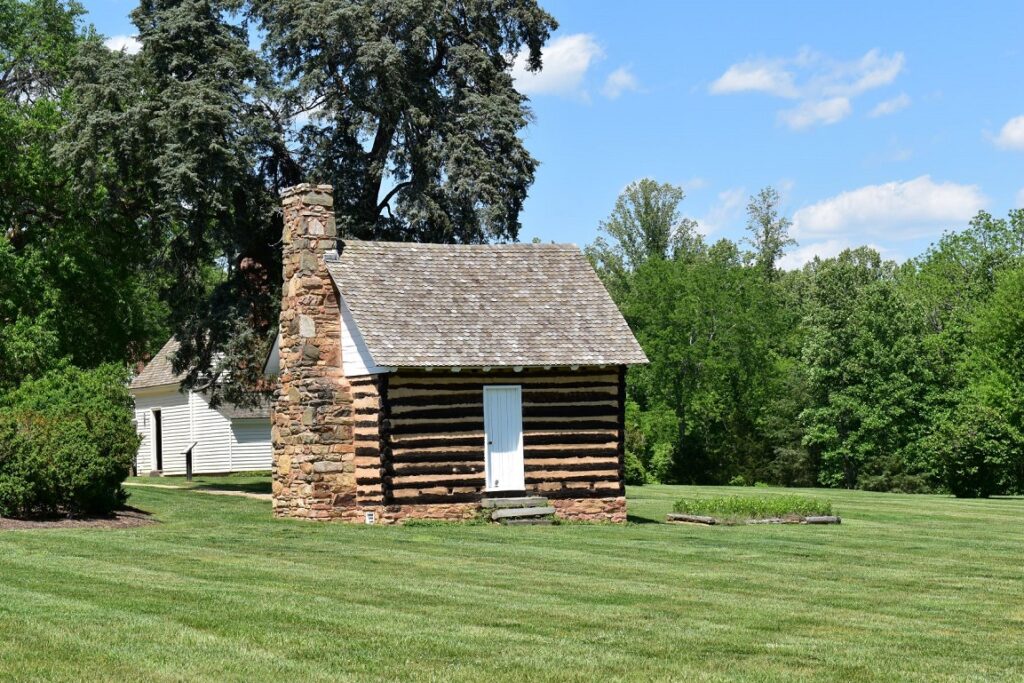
314,460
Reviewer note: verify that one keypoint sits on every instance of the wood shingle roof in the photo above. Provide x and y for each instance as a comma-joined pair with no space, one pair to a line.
427,305
159,371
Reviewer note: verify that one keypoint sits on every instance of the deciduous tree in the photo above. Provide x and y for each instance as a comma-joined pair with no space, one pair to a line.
769,231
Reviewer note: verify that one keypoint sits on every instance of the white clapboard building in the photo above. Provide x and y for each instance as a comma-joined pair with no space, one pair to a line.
169,420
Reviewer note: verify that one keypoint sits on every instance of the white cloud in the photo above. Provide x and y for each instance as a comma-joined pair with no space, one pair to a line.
810,113
871,71
899,154
891,106
129,44
756,76
1012,134
823,87
796,258
896,210
725,212
566,61
1020,198
618,82
693,184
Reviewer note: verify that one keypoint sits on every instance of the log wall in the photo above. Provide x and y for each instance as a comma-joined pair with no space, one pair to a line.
419,436
369,434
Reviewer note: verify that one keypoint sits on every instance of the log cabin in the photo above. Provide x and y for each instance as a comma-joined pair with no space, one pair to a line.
432,381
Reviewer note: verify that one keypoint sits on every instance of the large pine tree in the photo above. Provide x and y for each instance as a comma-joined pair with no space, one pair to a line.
406,106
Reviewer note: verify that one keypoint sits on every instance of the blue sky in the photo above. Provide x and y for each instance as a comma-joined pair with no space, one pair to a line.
881,123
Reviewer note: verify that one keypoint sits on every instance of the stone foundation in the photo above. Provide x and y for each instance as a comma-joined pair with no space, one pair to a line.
396,514
574,509
591,509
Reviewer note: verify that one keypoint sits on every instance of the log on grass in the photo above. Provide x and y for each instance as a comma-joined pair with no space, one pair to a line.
828,519
691,519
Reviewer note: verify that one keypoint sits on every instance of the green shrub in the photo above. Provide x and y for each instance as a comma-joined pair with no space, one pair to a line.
66,443
662,463
977,450
754,507
652,436
636,474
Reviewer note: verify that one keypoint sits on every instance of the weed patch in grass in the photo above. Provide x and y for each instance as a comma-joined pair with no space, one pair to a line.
472,521
740,508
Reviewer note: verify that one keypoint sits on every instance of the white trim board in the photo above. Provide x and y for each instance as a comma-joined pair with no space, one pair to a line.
355,355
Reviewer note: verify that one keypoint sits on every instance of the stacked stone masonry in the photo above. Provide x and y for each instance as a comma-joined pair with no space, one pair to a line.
591,509
314,456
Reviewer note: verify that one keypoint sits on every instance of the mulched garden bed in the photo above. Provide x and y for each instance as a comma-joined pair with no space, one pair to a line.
125,518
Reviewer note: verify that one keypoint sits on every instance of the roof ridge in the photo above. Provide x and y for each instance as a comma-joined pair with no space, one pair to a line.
442,245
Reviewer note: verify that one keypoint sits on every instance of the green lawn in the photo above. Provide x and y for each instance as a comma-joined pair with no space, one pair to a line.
909,587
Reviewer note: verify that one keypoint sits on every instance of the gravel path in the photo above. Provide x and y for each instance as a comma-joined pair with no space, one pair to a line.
212,492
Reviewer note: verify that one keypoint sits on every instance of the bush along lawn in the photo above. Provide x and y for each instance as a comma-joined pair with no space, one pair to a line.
66,443
910,588
739,509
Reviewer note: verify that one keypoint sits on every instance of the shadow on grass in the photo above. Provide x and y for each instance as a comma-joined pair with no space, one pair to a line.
633,519
245,487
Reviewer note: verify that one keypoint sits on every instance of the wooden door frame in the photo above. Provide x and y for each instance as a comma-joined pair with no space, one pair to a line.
487,445
157,437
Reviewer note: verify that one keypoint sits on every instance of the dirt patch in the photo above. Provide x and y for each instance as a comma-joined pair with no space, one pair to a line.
152,486
226,492
121,519
214,489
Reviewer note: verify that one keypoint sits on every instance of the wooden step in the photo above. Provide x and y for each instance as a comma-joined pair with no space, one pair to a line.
514,502
520,513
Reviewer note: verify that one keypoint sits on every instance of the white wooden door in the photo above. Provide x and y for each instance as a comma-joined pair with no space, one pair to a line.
503,438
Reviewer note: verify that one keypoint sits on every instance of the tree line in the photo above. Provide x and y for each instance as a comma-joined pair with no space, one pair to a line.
138,198
852,371
139,192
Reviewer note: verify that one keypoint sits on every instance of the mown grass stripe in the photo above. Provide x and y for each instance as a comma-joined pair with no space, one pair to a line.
909,588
